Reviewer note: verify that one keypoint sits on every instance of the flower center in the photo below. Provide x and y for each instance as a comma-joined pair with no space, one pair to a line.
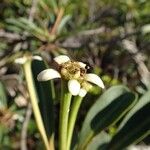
72,70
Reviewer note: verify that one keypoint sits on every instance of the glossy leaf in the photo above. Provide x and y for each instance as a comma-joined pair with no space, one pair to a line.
44,92
99,142
135,126
112,105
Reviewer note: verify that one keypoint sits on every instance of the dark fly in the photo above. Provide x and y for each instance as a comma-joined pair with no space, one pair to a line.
88,67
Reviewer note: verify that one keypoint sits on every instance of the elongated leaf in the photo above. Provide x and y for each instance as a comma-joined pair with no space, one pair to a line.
112,105
3,98
31,28
3,133
51,4
44,93
135,126
63,22
99,142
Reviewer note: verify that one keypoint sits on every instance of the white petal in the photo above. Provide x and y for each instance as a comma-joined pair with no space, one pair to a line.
74,87
61,59
82,92
20,60
37,58
93,78
83,65
48,74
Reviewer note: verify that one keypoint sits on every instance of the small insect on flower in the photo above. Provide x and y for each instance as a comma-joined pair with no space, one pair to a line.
88,67
76,73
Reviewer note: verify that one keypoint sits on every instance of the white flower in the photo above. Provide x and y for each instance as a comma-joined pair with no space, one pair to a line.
73,71
36,57
61,59
74,87
23,59
48,74
82,92
93,78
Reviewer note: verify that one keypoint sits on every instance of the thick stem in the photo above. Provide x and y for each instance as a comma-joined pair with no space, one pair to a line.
64,114
72,119
34,102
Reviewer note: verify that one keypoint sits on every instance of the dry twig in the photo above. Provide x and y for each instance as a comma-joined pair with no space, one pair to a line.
25,127
9,36
139,59
57,22
33,10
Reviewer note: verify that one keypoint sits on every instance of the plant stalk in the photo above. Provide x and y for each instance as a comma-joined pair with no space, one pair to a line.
72,118
64,114
34,102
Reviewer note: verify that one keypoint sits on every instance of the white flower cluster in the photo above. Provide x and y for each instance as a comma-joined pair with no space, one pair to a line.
75,73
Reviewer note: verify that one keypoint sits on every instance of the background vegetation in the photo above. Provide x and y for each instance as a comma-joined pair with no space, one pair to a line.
113,37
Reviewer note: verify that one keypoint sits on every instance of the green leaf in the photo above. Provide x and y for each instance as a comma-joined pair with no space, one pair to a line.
3,138
44,93
135,126
31,28
63,22
99,141
110,107
3,97
51,4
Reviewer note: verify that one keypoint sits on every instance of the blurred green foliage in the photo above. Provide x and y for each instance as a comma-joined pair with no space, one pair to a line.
92,31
